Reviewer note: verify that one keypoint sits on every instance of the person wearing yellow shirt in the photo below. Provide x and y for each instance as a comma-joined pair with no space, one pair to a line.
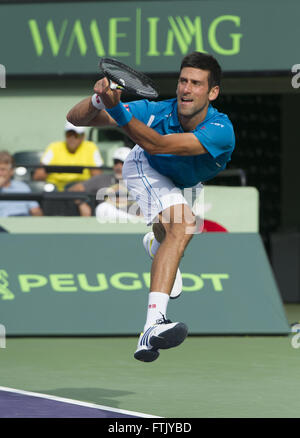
73,151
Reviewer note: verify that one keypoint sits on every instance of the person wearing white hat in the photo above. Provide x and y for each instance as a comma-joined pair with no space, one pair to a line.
121,153
73,151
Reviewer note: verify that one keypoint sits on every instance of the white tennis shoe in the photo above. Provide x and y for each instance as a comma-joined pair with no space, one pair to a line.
177,286
162,335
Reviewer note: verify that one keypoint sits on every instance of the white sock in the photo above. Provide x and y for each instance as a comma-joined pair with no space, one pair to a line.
157,307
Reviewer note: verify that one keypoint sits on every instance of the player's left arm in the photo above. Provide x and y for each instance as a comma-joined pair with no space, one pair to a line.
215,137
189,143
155,143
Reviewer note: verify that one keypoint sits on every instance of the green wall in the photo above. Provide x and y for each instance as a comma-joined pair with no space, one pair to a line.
33,112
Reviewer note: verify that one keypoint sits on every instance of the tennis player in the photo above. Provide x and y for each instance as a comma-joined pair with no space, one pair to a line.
180,143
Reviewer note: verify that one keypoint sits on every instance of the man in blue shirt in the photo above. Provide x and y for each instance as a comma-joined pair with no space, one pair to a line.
215,133
9,185
180,143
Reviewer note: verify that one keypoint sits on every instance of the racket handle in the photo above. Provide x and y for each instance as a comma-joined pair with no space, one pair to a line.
114,86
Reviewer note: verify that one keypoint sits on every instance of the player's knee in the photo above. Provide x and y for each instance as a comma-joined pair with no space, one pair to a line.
179,224
181,238
181,233
185,227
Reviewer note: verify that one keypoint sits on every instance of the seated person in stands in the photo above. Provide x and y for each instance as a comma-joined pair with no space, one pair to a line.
9,185
108,187
73,151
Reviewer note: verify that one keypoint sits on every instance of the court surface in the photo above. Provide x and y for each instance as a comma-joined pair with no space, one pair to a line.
205,377
16,403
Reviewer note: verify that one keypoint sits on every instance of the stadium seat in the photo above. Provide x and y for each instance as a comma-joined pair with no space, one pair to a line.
53,207
26,158
23,160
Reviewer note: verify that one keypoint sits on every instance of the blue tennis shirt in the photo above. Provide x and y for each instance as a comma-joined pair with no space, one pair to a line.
215,133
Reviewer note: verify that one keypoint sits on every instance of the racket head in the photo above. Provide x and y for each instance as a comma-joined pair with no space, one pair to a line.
132,81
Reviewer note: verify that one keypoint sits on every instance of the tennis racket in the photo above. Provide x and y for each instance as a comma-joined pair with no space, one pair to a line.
126,78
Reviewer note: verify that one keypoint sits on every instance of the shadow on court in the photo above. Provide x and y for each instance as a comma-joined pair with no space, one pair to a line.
101,396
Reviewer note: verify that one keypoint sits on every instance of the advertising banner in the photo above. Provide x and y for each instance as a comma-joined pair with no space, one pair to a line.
151,36
97,284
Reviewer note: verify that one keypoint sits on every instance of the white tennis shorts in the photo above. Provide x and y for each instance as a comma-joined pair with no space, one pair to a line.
152,191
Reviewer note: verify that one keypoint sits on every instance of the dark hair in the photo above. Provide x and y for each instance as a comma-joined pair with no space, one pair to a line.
204,61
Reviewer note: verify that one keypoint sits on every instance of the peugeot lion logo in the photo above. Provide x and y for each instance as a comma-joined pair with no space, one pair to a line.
5,293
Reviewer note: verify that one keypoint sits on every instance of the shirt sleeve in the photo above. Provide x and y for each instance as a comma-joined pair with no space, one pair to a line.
139,109
217,137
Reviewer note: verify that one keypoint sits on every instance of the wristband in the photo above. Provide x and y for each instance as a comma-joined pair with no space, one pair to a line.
120,114
97,102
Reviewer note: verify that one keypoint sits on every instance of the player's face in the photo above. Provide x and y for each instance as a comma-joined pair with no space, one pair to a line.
193,94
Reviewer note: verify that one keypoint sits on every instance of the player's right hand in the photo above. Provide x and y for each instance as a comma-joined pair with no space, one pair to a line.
109,97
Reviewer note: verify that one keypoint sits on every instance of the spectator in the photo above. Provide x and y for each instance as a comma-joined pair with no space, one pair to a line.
9,185
109,184
73,151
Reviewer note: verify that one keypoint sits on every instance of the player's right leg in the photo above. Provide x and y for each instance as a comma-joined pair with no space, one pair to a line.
161,333
157,197
151,242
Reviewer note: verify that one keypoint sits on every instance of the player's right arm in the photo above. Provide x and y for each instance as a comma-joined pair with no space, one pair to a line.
85,114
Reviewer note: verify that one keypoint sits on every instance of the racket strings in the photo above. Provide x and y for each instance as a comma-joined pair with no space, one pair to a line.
128,78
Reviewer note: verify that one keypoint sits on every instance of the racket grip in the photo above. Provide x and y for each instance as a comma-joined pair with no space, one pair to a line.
114,86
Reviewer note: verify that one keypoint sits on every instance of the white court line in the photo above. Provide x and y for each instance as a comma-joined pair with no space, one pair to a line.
76,402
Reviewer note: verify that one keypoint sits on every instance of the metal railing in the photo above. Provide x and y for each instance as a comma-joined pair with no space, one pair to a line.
240,173
42,196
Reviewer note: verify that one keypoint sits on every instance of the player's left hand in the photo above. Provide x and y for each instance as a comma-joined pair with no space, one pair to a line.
109,97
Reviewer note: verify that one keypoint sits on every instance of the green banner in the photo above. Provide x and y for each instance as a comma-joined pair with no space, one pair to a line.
98,284
150,36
